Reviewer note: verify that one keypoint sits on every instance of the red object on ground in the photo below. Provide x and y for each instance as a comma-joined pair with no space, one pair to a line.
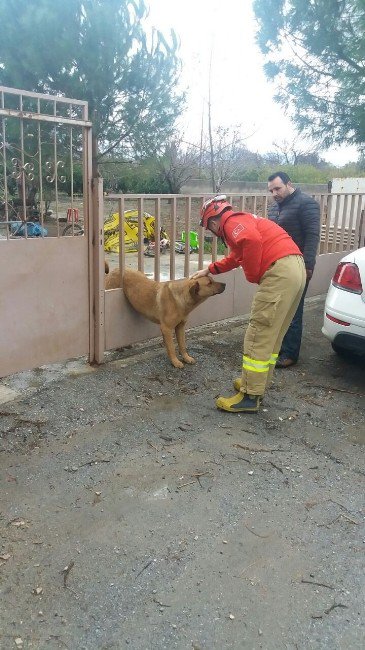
72,214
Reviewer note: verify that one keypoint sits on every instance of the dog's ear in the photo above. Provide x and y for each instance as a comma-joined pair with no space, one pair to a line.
194,289
106,267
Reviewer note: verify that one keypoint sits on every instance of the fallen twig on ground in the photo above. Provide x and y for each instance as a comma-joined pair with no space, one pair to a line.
329,523
157,450
313,401
246,569
276,467
197,476
327,611
258,449
215,462
318,584
144,568
337,503
254,533
24,421
159,603
337,390
66,572
185,484
95,461
237,458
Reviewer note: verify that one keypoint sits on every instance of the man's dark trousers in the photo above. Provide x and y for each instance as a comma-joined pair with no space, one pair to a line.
290,346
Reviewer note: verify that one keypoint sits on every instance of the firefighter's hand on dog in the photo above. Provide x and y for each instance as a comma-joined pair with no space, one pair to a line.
201,273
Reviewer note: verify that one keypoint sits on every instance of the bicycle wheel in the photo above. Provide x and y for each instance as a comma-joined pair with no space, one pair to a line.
77,230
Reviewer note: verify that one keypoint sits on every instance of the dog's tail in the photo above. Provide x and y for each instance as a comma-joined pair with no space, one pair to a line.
106,267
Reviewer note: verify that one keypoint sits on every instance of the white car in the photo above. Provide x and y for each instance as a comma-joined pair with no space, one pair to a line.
344,312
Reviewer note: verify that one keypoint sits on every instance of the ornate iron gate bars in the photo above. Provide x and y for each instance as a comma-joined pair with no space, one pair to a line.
44,139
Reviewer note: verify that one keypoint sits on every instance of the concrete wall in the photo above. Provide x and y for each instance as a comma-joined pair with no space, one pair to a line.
44,301
198,186
348,185
124,326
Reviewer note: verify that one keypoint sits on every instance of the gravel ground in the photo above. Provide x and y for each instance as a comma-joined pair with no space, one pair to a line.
136,515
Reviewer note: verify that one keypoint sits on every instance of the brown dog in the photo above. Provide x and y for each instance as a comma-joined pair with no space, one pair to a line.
112,278
166,303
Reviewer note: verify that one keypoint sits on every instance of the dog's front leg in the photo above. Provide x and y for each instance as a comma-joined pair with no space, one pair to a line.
180,336
170,346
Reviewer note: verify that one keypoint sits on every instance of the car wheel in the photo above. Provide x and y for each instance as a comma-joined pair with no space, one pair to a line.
337,349
348,355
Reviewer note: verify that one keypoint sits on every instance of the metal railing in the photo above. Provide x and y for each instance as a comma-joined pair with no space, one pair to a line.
342,225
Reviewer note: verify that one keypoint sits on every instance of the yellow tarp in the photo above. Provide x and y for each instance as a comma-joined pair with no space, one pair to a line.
111,231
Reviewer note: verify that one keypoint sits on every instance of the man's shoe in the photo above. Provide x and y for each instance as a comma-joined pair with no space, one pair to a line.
240,403
285,362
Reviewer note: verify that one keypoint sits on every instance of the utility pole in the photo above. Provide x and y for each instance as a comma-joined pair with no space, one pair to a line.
201,142
212,166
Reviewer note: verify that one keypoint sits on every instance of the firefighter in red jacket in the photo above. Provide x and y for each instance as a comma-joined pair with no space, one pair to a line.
271,259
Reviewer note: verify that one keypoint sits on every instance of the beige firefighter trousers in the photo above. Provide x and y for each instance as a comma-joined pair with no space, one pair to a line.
273,308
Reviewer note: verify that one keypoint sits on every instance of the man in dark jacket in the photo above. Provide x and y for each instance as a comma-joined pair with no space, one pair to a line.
299,215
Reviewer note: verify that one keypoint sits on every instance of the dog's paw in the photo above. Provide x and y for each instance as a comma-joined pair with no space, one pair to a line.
188,359
176,363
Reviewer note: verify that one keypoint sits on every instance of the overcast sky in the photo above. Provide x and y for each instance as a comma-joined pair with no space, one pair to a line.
241,94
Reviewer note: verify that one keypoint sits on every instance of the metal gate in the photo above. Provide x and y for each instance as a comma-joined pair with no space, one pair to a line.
45,230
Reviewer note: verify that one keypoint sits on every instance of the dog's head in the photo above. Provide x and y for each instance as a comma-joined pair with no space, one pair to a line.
205,287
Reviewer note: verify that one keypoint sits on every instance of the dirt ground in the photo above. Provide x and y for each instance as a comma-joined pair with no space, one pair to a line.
136,515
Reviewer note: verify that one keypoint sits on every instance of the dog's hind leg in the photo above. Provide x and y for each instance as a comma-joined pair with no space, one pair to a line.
180,337
170,346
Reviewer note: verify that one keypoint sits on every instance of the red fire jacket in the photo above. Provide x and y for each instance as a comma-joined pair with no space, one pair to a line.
254,242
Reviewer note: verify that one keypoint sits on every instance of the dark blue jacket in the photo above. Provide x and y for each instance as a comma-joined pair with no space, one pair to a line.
299,215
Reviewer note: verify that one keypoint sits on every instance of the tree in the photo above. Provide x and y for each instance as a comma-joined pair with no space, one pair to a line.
178,163
229,152
226,155
292,153
315,50
96,50
225,147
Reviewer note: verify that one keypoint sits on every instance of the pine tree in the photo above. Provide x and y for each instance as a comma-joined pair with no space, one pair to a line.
315,52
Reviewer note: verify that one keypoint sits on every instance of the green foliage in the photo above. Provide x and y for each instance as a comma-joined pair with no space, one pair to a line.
221,248
311,174
301,173
315,52
77,184
250,175
95,50
137,178
146,176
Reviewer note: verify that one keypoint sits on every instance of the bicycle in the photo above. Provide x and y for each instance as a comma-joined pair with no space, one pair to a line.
73,230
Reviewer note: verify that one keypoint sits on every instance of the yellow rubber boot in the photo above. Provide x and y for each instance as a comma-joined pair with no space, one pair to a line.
237,383
239,403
